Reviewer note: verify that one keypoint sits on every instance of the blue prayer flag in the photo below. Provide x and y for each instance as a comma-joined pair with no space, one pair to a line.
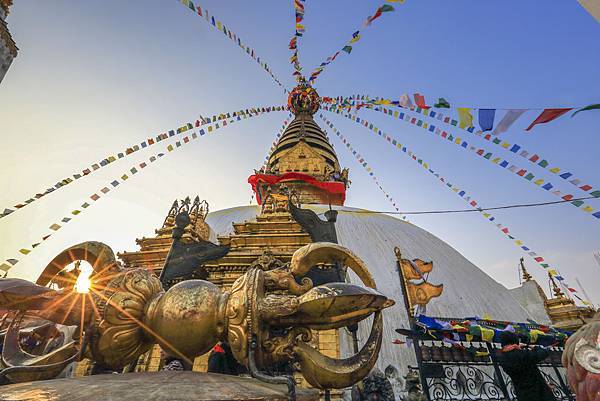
486,119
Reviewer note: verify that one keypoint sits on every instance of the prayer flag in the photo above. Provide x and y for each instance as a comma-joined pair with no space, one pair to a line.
24,251
442,104
12,261
54,227
486,119
420,101
546,116
347,49
465,117
509,118
586,108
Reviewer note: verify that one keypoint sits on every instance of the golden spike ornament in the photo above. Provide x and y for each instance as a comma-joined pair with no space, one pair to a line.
267,316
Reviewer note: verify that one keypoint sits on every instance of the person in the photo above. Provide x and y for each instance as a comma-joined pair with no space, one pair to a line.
521,365
221,360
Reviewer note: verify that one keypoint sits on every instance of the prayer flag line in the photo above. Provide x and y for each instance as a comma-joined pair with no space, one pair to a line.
126,152
132,171
460,192
515,148
499,161
232,36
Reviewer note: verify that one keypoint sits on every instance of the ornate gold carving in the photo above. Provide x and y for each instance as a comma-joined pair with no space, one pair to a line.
275,203
188,320
120,334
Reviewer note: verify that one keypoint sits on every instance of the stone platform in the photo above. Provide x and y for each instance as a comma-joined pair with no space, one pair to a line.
157,386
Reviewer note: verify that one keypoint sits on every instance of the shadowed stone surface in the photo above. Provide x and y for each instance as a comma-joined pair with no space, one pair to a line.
158,386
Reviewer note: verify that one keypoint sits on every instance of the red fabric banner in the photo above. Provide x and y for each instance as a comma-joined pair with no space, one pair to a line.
332,187
547,116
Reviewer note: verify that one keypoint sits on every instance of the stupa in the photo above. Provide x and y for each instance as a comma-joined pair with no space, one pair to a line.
300,239
304,166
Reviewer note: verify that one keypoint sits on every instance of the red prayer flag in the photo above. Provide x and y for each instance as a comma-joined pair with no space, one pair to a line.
420,101
374,17
547,116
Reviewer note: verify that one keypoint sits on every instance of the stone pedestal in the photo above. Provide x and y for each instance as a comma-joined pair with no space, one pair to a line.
159,386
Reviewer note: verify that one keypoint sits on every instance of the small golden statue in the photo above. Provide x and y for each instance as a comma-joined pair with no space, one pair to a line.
266,317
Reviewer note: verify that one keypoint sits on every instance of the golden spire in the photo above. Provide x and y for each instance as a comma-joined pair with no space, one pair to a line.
303,158
557,291
526,275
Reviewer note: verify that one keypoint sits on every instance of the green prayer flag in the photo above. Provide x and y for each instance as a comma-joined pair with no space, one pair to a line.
347,49
386,8
442,104
586,108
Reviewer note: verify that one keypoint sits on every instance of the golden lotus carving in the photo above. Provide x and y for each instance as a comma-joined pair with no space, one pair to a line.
268,315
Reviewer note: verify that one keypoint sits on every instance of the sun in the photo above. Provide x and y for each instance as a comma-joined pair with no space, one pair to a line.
83,283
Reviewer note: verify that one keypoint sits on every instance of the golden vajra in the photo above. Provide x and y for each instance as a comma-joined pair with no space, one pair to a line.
267,317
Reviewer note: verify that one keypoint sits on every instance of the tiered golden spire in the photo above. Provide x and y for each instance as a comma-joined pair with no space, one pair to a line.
526,275
303,158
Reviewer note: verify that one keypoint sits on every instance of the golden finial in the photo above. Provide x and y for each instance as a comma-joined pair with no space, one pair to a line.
557,291
526,275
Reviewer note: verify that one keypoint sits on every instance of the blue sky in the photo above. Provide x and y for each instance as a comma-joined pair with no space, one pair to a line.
92,77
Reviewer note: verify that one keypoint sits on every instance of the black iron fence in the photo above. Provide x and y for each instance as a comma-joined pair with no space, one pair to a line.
470,371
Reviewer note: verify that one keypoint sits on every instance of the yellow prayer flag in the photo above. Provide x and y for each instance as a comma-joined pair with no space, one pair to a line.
75,212
170,148
552,272
487,335
496,160
457,141
465,117
396,114
219,25
24,251
505,145
538,182
5,266
555,170
588,209
534,335
519,242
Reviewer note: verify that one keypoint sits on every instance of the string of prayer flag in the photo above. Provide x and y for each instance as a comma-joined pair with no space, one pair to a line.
123,154
515,148
299,32
232,36
486,114
485,154
115,182
347,48
457,190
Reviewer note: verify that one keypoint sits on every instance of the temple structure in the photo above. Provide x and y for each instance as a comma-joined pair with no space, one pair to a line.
301,196
8,48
